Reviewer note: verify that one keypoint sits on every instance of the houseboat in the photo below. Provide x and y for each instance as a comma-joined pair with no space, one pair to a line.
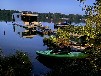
26,19
61,25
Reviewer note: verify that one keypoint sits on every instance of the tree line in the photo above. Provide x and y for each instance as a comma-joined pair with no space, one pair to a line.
6,15
58,17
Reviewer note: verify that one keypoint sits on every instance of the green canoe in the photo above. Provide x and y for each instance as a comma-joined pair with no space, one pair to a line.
73,55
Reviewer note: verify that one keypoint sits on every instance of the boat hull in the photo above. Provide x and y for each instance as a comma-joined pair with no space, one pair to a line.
71,55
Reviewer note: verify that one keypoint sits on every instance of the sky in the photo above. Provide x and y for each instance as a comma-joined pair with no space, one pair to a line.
45,6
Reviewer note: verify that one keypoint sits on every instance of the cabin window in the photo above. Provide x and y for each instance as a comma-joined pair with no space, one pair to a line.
29,18
13,18
17,16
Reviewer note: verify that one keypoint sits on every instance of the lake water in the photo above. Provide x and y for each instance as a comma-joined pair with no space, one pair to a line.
11,40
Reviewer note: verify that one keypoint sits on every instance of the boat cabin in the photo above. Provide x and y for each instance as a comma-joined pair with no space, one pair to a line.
28,18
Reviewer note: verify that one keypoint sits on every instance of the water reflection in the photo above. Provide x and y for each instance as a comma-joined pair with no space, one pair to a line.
68,67
25,33
14,38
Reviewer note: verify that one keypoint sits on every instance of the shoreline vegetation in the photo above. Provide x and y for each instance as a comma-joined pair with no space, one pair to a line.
17,64
91,37
92,64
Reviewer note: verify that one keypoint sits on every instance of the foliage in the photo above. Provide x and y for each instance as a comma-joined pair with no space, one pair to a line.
58,17
15,65
62,36
6,15
93,21
74,67
93,30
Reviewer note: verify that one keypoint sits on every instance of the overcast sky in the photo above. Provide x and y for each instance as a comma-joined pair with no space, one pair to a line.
43,6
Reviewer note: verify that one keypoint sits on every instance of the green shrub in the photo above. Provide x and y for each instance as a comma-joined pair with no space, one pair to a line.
15,65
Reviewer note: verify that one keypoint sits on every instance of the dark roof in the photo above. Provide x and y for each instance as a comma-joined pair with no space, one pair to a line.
26,12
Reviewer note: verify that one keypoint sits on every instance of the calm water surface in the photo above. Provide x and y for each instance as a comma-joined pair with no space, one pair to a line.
11,40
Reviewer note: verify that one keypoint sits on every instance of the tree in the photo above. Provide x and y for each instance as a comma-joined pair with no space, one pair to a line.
93,29
93,21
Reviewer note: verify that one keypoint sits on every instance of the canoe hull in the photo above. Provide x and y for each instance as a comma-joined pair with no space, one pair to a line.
71,55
